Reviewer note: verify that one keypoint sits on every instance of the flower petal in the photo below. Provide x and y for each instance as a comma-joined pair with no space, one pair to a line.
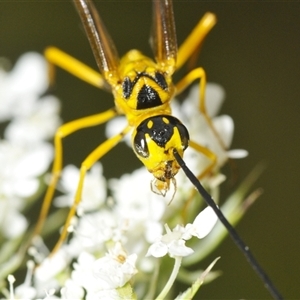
205,222
237,153
178,248
157,249
29,74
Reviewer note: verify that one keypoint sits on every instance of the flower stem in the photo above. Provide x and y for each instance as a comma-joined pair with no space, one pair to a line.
171,280
153,282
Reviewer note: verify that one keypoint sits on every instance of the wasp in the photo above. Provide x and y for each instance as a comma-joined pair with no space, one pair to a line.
142,89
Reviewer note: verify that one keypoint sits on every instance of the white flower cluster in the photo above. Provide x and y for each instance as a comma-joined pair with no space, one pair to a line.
173,242
117,241
25,153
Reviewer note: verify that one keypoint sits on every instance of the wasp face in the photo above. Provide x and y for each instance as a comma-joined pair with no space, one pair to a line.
153,142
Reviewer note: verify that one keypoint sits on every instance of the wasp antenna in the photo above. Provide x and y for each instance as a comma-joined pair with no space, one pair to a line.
232,232
102,45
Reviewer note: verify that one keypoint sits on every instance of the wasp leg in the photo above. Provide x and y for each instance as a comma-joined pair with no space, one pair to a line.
195,39
208,169
199,73
56,57
209,154
192,43
61,133
91,159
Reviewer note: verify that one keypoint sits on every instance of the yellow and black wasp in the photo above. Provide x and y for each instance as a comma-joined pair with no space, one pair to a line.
142,89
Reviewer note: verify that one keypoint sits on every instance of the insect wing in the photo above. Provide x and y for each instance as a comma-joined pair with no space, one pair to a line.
102,45
164,35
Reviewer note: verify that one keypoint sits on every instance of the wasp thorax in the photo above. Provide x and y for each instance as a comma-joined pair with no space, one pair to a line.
154,141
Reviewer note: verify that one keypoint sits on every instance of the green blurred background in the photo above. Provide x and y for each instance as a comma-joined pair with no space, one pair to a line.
253,52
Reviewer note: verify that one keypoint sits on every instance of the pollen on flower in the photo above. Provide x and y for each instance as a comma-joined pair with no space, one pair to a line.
115,268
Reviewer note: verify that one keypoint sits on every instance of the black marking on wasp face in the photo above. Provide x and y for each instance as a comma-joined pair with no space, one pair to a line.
147,96
161,130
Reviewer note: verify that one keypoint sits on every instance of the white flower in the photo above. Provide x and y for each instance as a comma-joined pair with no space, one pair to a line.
111,294
21,87
19,178
82,275
45,275
199,130
94,188
115,269
26,290
203,223
94,230
20,167
131,218
24,155
30,74
129,192
115,126
38,123
12,223
71,290
137,204
172,243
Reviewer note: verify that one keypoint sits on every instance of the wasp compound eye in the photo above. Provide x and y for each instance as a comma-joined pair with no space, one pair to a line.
161,80
127,87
